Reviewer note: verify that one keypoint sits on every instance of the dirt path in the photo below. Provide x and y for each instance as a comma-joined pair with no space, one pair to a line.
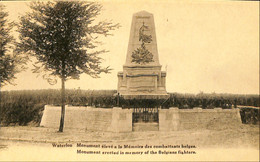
34,143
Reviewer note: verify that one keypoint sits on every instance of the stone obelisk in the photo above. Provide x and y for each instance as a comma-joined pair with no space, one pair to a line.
142,76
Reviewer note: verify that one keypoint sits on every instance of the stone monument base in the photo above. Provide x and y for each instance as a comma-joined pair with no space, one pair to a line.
145,96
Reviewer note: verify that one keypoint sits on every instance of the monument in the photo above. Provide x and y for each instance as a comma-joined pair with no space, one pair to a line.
142,77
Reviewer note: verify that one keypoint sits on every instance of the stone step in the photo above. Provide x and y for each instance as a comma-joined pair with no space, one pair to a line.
140,127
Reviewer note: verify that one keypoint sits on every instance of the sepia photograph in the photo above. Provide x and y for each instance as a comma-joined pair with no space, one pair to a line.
121,80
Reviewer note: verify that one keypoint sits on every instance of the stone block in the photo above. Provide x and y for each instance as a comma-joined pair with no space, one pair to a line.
121,120
169,119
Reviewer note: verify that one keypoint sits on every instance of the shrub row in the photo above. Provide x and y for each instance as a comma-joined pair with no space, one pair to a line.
23,107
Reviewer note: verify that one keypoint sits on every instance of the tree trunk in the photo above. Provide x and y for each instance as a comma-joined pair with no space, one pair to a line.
62,104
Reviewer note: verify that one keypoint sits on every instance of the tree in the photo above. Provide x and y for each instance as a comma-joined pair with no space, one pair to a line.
62,35
10,61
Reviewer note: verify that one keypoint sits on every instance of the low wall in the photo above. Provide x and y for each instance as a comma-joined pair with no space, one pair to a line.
88,118
197,118
77,117
120,120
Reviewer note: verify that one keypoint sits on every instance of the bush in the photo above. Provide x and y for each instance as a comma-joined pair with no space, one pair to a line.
250,115
23,107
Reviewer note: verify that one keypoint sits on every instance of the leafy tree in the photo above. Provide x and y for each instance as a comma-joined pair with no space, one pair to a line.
62,35
10,62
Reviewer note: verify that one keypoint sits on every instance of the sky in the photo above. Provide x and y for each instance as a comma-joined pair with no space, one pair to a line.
204,46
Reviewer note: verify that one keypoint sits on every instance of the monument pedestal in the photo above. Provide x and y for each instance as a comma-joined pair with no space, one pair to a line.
142,77
142,82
